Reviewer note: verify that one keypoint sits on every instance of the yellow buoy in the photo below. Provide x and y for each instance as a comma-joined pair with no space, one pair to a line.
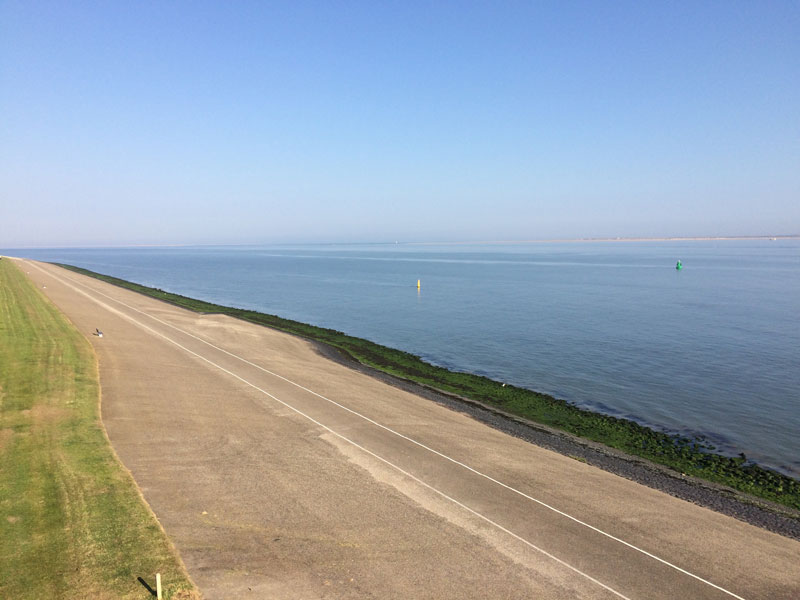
418,283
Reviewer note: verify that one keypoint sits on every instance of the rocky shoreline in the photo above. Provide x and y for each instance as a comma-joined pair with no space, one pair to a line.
755,511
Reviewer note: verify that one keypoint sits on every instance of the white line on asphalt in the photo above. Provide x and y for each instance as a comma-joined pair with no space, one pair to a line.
421,445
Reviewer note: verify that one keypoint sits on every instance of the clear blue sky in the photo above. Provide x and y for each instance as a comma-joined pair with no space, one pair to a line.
258,122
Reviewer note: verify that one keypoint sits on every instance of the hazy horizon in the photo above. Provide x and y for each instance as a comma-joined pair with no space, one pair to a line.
423,243
210,124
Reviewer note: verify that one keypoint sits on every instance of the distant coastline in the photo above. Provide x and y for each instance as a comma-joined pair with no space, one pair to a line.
795,236
612,239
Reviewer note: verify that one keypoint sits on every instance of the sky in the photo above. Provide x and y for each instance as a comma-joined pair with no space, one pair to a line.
294,122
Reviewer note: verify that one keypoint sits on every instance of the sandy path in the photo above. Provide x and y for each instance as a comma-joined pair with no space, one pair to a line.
271,490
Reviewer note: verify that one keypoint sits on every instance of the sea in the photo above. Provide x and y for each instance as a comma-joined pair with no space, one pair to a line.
710,350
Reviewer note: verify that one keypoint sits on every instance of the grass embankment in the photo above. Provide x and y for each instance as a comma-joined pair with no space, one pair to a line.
72,523
689,456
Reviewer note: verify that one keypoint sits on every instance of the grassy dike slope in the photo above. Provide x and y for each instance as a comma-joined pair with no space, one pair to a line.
684,455
72,522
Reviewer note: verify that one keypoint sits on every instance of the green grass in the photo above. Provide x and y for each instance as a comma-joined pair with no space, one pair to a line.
689,456
72,523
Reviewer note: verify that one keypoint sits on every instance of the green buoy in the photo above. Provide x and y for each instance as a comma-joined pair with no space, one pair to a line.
679,266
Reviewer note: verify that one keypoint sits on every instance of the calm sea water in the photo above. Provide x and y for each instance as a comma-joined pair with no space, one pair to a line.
713,349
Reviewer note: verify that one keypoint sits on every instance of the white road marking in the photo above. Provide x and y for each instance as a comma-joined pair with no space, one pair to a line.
355,444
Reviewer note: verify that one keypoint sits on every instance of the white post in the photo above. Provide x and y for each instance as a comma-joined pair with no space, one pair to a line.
158,586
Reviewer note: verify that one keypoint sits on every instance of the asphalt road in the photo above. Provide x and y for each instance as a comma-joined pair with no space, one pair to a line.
280,474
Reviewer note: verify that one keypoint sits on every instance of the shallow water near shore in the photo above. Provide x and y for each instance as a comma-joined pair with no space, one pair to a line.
713,349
